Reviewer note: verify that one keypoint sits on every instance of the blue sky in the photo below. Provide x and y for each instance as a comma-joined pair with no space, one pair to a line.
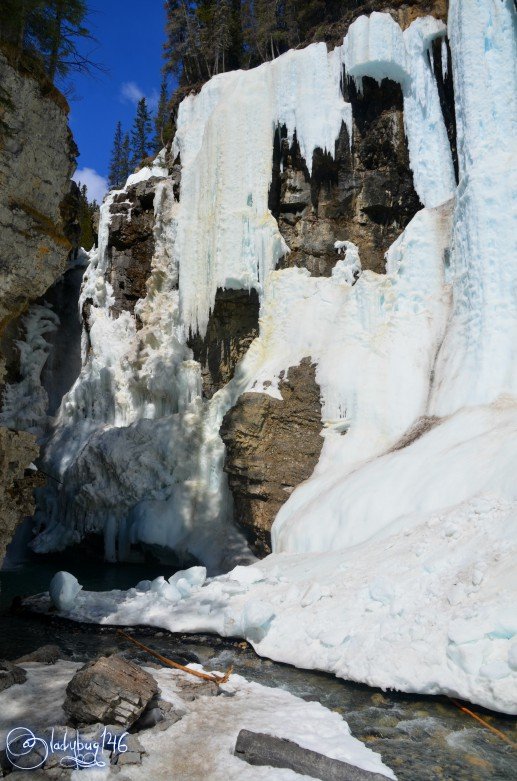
130,35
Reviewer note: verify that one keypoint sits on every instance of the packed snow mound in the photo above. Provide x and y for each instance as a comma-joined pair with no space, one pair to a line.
429,607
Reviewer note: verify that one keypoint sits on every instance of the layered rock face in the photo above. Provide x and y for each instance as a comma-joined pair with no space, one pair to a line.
17,450
131,244
231,329
37,158
38,225
365,194
272,445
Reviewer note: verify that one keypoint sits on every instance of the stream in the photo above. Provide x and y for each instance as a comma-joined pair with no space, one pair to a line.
421,738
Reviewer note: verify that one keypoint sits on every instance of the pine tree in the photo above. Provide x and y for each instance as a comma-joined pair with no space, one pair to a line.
141,133
49,30
162,120
85,216
115,175
125,158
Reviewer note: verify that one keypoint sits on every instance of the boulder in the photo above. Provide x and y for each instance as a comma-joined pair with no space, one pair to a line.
110,690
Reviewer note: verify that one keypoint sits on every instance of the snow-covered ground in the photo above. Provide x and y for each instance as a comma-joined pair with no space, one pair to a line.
201,744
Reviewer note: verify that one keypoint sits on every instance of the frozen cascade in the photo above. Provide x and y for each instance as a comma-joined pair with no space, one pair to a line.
375,46
393,562
478,360
139,390
227,237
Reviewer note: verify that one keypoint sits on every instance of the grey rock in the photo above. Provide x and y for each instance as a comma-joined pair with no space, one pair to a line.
10,674
257,748
272,445
109,690
46,654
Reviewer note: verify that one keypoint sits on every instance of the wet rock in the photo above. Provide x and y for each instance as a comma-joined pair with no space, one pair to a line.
10,674
159,713
131,244
271,447
46,654
260,749
109,690
232,326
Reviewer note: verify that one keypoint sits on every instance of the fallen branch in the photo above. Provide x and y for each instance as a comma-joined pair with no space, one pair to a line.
218,679
484,723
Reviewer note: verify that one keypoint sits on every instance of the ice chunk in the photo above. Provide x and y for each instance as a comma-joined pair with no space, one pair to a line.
63,590
374,47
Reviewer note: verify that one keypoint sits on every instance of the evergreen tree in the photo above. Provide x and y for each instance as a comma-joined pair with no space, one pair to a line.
125,158
141,133
162,120
85,216
116,173
49,30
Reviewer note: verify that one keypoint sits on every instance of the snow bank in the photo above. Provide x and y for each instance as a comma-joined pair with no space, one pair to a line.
429,606
210,725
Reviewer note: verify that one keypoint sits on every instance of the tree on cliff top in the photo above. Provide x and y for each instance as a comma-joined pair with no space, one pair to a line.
49,30
141,144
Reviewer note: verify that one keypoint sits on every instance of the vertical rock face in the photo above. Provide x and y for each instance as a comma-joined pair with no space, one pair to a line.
131,244
232,326
37,158
38,226
272,445
365,194
17,450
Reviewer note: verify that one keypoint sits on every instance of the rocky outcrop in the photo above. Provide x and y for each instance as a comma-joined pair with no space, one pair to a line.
37,158
271,447
364,194
17,450
38,225
232,326
131,244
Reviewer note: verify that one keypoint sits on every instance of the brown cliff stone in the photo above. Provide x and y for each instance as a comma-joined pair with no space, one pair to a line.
271,447
232,326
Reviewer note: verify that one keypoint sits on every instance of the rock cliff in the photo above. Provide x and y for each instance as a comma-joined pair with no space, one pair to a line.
38,225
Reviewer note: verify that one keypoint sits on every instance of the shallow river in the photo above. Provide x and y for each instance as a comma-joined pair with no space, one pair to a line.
421,738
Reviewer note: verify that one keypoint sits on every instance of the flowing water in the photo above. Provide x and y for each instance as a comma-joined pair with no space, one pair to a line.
421,738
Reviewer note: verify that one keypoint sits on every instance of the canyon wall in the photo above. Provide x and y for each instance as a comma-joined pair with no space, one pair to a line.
38,228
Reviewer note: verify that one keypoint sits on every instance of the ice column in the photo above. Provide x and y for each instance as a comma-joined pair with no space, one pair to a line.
375,46
478,360
227,237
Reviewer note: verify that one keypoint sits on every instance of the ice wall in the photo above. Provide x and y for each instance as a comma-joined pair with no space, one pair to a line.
478,360
375,46
227,237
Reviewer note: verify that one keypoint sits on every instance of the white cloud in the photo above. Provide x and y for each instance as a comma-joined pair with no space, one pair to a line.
96,185
131,92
